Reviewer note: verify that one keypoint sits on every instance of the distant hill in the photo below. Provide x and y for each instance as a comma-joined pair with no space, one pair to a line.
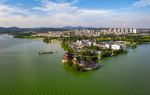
16,29
77,27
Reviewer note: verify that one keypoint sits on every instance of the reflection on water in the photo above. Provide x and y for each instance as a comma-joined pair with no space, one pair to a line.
78,74
54,41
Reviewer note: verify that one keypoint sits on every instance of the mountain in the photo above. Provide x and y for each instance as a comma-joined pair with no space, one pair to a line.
77,27
16,29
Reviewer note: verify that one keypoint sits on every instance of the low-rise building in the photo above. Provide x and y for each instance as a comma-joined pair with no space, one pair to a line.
116,47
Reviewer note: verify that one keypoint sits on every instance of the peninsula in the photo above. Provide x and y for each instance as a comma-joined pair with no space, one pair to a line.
86,47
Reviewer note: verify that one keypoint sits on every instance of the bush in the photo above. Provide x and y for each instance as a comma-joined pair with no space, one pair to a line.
66,47
76,67
69,63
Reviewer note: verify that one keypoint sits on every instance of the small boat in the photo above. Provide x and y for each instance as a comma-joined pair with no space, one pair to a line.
51,52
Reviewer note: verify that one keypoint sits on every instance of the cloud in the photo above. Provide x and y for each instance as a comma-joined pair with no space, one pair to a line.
7,11
61,13
53,7
141,3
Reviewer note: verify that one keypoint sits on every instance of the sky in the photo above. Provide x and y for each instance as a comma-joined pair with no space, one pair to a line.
60,13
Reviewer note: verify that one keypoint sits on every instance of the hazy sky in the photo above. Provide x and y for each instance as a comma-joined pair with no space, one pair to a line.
58,13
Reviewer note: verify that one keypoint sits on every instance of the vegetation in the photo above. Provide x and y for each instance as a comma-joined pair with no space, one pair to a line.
109,52
106,53
66,47
69,63
93,47
116,52
28,37
75,67
129,38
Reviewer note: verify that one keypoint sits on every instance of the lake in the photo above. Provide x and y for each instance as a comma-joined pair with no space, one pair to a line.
24,72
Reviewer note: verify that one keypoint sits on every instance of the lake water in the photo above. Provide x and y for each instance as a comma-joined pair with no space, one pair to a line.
24,72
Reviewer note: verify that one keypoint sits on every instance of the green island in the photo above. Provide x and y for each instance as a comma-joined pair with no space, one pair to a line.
86,57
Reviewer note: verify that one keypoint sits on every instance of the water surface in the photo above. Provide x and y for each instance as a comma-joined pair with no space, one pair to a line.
24,72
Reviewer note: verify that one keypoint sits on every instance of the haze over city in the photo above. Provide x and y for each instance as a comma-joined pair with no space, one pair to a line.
59,13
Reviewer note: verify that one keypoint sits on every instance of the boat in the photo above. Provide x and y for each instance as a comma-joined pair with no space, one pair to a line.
51,52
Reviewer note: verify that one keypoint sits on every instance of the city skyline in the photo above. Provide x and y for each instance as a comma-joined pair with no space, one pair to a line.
59,13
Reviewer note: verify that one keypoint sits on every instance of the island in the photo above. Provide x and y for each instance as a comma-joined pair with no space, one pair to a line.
85,55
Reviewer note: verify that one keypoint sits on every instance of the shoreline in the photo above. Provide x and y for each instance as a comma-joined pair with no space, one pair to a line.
85,62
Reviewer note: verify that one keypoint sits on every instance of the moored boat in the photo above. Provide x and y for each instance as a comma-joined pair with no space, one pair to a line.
51,52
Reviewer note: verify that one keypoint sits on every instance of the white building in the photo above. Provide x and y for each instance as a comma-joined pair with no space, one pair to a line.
134,31
89,43
115,47
107,46
79,42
